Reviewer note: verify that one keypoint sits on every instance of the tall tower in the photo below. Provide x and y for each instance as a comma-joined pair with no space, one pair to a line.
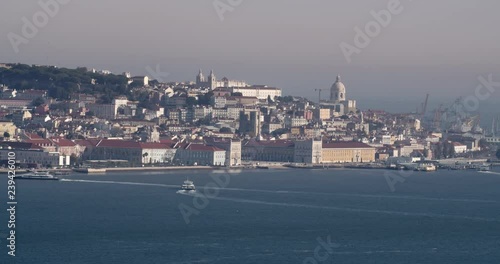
338,92
200,79
212,80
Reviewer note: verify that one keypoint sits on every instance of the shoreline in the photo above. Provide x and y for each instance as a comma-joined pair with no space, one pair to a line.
121,169
261,166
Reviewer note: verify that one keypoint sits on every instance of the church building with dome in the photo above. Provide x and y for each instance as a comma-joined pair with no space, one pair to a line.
337,91
338,99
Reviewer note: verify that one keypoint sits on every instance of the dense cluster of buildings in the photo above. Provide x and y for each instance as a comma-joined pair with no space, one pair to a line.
214,122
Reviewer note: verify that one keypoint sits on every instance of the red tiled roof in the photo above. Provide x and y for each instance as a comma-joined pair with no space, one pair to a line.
33,136
168,141
113,143
87,142
41,141
202,147
62,142
151,145
181,145
345,144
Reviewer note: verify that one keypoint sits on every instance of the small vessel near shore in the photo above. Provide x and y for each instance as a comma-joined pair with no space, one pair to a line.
188,186
426,167
484,167
37,175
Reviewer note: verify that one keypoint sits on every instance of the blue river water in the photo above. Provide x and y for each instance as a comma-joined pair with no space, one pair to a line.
260,216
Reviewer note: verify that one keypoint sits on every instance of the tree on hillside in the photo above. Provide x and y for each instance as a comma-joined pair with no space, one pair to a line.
136,84
37,102
225,130
269,100
279,132
191,101
448,150
62,82
285,99
205,99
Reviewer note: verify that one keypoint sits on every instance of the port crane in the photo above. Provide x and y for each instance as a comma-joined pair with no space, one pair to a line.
424,106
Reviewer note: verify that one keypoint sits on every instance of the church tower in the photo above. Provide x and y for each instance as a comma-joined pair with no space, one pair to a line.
212,80
200,79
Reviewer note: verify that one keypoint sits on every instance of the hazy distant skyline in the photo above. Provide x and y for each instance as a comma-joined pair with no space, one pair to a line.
436,47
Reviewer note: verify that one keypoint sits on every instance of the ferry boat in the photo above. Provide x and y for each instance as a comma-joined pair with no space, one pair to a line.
426,167
36,175
188,186
484,167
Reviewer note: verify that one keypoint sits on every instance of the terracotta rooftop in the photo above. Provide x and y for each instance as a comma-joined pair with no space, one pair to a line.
345,144
202,147
33,136
113,143
151,145
62,142
40,142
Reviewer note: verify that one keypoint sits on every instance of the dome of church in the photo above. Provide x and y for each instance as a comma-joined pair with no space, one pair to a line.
338,91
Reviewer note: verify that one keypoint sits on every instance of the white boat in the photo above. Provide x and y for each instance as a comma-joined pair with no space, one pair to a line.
36,175
188,186
426,167
484,167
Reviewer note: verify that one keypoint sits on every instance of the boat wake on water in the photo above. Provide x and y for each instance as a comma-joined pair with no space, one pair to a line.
122,183
358,210
489,172
192,192
292,192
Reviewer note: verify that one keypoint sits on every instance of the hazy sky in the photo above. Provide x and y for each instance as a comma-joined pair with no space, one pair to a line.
440,47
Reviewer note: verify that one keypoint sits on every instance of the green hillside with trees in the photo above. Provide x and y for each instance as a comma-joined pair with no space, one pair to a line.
62,82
